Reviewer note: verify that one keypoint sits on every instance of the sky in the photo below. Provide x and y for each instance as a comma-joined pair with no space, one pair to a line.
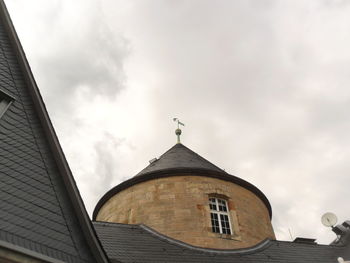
263,87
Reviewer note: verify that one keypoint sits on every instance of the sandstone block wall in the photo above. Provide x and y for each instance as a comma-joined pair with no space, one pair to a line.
178,207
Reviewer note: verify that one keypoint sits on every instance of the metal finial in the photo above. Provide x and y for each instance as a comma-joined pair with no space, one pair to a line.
178,130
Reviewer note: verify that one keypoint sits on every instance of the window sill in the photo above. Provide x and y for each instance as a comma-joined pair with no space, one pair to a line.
225,236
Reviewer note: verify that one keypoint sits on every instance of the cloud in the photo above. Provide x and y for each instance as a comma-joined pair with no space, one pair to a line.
105,168
77,51
262,87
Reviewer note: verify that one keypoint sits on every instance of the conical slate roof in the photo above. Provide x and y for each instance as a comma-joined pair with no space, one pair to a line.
179,157
180,160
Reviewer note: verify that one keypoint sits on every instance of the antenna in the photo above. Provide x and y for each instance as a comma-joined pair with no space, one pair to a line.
290,233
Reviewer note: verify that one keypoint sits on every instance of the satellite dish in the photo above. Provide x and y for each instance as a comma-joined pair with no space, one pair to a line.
329,219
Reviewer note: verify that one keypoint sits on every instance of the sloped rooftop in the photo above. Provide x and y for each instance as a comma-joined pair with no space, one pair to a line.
180,160
138,243
180,157
41,212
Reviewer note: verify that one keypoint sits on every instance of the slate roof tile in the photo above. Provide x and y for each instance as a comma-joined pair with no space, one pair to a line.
137,243
179,156
180,160
36,212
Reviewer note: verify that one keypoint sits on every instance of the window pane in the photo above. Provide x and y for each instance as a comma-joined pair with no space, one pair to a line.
222,205
221,202
212,204
219,216
214,219
226,231
215,223
222,208
225,224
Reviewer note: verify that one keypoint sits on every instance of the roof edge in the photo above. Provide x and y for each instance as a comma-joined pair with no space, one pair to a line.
69,182
27,253
179,172
256,248
262,245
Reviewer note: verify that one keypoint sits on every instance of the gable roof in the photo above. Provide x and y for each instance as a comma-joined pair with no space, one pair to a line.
177,161
138,243
41,209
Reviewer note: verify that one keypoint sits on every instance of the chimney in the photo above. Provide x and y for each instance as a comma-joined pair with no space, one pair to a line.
304,240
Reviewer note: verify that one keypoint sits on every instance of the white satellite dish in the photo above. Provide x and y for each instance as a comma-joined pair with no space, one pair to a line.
329,219
341,260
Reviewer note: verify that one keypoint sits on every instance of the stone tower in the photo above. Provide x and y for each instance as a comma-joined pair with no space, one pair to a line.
185,197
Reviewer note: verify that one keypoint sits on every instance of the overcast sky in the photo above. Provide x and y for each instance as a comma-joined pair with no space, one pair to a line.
263,87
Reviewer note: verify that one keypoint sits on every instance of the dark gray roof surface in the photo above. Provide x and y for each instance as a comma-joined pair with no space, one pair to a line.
180,160
40,208
137,243
179,156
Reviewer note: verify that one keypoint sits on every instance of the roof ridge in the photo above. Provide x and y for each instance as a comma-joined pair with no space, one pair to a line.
114,224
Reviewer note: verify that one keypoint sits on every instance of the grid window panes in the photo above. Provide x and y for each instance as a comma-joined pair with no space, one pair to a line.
220,220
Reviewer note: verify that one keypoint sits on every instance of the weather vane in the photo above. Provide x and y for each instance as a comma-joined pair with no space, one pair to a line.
178,130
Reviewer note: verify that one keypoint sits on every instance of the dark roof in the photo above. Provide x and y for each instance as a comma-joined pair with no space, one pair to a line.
138,243
180,160
40,207
177,157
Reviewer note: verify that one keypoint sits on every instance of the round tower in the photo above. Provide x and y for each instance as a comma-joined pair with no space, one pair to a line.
185,197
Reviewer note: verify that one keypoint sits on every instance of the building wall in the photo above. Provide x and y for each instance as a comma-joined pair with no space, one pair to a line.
178,207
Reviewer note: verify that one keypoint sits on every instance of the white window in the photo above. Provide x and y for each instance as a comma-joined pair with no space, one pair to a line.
5,102
219,215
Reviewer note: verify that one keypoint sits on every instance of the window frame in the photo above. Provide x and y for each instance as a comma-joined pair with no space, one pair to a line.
219,213
5,102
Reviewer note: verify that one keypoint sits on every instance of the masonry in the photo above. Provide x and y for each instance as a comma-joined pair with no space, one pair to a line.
177,206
